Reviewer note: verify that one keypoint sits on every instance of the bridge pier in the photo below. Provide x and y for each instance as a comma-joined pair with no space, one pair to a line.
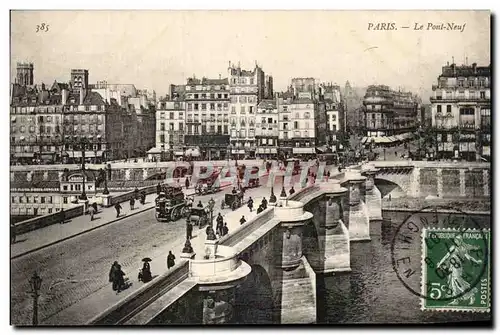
359,217
486,183
439,177
373,198
294,298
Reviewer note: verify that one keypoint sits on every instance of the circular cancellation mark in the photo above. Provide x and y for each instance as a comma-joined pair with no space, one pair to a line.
453,255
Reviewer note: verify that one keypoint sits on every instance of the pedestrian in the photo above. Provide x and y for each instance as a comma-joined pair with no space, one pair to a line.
118,207
143,198
119,279
170,260
62,216
250,203
390,197
189,229
12,233
136,193
242,220
225,229
91,212
219,226
187,183
95,207
292,190
219,220
396,153
112,275
264,203
260,209
158,189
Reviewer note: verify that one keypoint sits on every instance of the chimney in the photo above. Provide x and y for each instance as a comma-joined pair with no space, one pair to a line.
82,95
64,96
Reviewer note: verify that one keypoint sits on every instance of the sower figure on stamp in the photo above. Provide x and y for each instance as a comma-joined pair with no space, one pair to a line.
456,282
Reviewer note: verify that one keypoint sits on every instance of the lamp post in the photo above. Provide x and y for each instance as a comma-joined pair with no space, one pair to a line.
211,204
83,196
35,283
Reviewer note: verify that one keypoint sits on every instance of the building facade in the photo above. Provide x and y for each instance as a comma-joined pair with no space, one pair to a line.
389,112
247,89
207,117
267,132
461,112
67,121
170,129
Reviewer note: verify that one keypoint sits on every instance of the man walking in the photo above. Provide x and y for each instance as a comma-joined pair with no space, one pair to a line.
243,220
170,260
91,212
187,183
132,203
225,229
250,204
118,207
189,230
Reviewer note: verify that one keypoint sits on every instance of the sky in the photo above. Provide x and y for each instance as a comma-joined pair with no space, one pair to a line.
153,49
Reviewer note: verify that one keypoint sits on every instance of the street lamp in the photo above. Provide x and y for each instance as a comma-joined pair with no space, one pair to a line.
84,143
211,204
35,283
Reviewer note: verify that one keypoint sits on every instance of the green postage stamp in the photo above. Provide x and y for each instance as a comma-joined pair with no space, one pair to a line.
456,270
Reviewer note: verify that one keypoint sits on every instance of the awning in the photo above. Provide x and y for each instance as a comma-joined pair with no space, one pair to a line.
236,151
322,148
392,138
179,153
98,136
21,138
266,150
364,140
154,151
303,151
13,119
23,154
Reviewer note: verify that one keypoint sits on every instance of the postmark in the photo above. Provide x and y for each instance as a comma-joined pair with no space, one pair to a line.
423,267
453,264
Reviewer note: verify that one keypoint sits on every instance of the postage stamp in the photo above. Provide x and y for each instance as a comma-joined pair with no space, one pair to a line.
456,270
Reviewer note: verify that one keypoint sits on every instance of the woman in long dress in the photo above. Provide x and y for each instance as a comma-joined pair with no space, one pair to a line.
456,282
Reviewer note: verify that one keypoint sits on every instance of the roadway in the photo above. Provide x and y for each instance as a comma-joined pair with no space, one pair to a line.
74,269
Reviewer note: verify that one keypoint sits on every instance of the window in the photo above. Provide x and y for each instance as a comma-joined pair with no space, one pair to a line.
212,106
65,187
50,210
270,141
242,121
219,107
233,109
482,95
181,126
307,115
196,107
171,115
334,117
162,126
438,109
171,126
243,99
234,99
13,200
306,124
251,109
212,129
243,133
65,200
448,109
226,106
297,115
296,125
226,129
42,200
196,96
162,138
219,129
242,111
189,107
203,107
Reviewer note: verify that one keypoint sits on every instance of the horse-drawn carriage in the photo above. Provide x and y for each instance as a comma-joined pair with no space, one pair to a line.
232,200
171,204
198,216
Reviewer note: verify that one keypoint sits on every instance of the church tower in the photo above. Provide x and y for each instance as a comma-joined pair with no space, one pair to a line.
25,74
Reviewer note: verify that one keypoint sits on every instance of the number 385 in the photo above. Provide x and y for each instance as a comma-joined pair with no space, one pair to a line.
42,27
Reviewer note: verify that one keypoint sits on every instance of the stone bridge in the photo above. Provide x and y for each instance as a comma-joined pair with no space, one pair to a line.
425,178
265,271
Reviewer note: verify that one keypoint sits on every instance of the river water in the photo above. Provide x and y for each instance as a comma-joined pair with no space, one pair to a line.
372,292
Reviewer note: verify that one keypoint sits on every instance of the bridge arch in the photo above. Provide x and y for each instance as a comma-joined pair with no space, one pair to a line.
386,186
254,302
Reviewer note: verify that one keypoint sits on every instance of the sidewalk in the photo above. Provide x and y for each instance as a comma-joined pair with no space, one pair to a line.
55,233
87,308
